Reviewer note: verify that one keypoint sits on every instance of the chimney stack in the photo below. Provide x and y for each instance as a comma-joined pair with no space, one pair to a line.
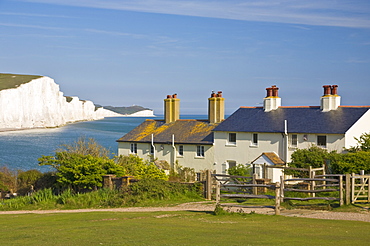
330,100
171,108
216,107
272,101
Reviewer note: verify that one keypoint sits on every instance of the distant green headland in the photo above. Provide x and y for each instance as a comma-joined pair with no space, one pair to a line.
125,110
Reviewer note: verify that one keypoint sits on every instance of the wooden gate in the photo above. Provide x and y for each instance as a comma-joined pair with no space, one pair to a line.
360,188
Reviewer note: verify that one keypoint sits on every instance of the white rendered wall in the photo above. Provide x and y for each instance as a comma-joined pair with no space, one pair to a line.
167,153
360,127
243,152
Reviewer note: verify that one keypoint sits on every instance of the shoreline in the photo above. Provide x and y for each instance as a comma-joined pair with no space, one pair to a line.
54,127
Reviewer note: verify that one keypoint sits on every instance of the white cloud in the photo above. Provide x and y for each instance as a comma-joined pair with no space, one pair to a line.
31,26
341,13
36,15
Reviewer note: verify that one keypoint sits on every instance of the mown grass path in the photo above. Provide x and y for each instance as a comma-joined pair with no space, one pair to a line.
176,228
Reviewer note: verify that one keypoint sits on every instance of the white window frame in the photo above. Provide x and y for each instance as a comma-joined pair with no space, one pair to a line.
200,151
133,148
180,151
294,140
254,137
229,139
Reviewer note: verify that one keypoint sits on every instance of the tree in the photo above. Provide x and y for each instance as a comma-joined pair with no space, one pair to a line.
363,143
79,171
85,146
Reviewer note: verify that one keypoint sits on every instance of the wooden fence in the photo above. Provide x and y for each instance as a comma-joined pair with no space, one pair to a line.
360,187
316,185
244,187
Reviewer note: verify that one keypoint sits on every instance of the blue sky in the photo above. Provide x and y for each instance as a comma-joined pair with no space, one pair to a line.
122,53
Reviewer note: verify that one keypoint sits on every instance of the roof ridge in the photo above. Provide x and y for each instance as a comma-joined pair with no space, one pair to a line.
360,106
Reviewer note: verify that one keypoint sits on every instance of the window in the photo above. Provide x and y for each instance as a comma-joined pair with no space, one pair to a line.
321,141
294,140
181,150
231,164
133,148
232,138
255,139
151,149
200,151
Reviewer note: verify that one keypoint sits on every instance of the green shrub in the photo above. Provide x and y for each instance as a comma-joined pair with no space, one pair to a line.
8,179
26,181
79,171
140,169
353,162
240,170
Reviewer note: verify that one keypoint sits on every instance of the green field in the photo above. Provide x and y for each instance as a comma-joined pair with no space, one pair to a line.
176,228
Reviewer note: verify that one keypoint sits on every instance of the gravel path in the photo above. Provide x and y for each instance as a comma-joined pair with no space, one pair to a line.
208,207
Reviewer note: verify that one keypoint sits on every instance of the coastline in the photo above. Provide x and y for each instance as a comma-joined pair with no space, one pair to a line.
53,127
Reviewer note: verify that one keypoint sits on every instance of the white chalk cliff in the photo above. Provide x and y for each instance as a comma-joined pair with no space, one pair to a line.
39,103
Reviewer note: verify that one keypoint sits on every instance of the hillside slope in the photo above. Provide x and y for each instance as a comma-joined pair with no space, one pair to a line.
129,110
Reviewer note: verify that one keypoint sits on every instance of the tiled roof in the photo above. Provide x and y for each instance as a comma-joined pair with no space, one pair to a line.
185,132
274,158
299,120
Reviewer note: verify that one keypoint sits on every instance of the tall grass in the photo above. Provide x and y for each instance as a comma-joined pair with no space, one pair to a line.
142,193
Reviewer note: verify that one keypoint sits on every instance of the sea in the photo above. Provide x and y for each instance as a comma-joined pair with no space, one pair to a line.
20,150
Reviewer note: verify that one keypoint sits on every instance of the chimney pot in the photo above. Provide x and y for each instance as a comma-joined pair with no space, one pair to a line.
219,94
269,92
174,96
213,94
327,90
274,91
334,89
169,96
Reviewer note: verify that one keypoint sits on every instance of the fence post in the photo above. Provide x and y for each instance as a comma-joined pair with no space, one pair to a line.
348,188
353,188
208,185
277,198
218,192
254,181
362,172
368,189
340,190
324,173
310,182
313,183
282,189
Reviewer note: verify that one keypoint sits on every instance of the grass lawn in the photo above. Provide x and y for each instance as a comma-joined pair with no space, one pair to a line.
8,81
176,228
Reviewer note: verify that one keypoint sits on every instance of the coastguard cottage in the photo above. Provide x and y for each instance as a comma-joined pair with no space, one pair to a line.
249,135
188,142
